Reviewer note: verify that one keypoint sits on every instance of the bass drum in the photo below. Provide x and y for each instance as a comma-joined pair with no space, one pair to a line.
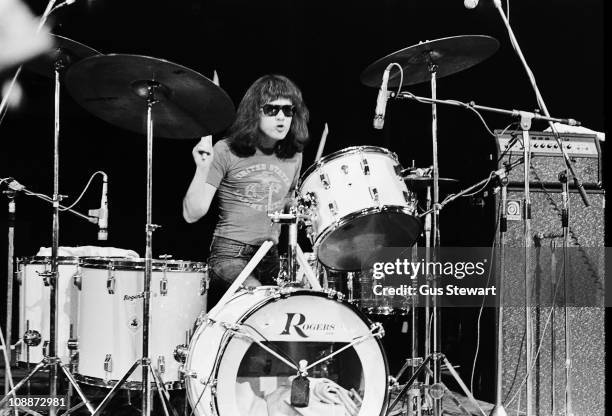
227,373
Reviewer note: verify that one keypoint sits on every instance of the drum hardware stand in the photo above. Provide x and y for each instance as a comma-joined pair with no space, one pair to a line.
436,390
152,92
295,254
10,194
52,361
437,206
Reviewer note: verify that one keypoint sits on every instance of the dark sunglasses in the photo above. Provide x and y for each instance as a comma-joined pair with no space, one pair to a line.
272,110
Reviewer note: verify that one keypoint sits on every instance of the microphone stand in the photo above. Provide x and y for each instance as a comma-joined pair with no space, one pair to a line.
565,215
542,104
52,361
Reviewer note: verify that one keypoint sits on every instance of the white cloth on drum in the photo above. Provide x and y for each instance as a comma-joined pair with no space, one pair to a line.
325,399
88,251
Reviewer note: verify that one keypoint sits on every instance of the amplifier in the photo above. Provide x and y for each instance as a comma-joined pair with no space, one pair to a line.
587,325
546,158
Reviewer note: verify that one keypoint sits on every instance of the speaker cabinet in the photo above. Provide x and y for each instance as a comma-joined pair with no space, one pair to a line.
586,334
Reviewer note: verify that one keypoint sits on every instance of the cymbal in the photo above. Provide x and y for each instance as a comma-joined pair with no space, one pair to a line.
422,182
65,52
115,88
452,54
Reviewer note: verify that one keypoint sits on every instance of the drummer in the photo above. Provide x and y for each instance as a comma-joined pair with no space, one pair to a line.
255,169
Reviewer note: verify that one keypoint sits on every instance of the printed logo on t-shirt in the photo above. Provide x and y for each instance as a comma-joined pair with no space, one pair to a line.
264,179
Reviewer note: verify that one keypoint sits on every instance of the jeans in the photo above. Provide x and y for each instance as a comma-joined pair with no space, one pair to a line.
229,257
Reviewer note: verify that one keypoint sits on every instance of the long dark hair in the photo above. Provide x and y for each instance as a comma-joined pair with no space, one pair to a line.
244,134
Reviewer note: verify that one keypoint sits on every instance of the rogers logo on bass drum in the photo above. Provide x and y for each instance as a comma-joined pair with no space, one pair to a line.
297,323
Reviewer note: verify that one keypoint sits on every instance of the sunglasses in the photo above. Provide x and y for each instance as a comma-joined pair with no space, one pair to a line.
272,110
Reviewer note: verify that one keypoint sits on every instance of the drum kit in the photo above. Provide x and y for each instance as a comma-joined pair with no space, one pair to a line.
251,353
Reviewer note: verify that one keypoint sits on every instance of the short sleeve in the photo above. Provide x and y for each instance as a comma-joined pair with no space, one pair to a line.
296,177
220,165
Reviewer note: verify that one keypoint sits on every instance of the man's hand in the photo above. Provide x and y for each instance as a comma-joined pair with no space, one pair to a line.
203,153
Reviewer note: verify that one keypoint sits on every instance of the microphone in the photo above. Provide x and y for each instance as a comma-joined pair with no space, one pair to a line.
470,4
103,211
381,101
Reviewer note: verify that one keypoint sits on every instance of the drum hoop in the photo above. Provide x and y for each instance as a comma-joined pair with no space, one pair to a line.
346,151
282,294
47,259
126,263
398,209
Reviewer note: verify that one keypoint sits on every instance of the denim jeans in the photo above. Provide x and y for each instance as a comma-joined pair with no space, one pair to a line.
229,257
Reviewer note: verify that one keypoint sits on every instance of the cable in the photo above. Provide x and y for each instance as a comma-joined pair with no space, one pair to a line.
536,356
84,190
497,220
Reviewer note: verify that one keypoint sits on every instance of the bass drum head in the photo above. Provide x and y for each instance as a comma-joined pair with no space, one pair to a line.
356,239
304,325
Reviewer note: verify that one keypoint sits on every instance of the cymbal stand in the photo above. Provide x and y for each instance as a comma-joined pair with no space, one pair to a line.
52,361
152,92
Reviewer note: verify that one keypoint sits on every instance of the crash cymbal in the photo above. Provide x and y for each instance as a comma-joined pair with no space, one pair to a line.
450,55
65,52
421,182
115,88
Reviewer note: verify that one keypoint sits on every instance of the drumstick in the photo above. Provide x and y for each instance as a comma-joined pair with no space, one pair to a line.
312,279
241,278
322,143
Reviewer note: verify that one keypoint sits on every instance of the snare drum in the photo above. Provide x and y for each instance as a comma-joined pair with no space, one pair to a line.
227,373
359,203
110,317
34,304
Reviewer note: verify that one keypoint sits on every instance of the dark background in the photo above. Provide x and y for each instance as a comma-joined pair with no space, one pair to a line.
323,46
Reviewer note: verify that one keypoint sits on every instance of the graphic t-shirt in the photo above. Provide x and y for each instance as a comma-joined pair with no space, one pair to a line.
244,185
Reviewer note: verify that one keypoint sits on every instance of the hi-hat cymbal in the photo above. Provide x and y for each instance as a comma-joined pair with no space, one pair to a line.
450,55
66,52
116,87
421,182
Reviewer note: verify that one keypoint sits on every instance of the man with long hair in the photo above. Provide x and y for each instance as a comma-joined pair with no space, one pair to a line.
253,170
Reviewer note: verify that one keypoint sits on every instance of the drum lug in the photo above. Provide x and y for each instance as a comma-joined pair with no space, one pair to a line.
110,281
188,373
77,279
365,167
19,274
407,197
203,285
374,194
46,275
324,180
108,363
398,171
333,208
161,364
163,285
331,293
